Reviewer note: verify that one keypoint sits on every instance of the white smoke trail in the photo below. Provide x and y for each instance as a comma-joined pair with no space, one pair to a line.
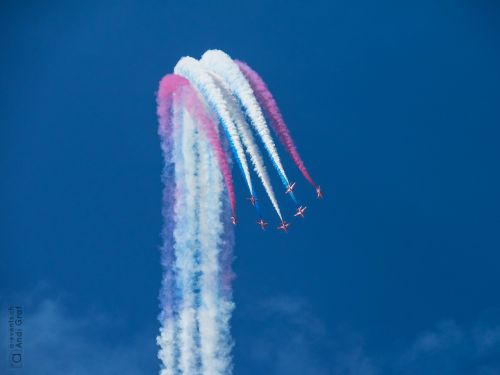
166,342
225,303
191,69
185,235
213,314
248,141
220,63
207,314
167,339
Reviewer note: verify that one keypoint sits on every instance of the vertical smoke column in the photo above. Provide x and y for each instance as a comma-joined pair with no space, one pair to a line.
197,240
186,243
166,130
215,309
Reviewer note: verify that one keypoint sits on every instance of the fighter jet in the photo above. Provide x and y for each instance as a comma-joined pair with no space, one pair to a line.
290,188
284,226
300,211
262,224
252,200
233,220
318,192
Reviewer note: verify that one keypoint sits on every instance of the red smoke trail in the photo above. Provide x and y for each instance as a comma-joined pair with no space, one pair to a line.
172,86
267,101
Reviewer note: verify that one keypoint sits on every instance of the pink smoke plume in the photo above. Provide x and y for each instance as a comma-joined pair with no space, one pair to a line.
267,101
171,86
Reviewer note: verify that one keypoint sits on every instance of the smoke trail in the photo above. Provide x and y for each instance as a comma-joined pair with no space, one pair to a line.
197,110
226,255
192,70
248,141
267,101
220,63
213,317
173,84
185,234
209,224
166,339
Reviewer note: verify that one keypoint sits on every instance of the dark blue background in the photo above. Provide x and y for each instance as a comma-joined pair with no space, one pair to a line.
394,108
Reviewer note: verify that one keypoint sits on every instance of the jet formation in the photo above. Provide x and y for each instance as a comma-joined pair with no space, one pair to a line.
299,212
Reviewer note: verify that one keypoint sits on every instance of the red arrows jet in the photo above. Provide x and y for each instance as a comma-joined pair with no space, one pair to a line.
262,224
300,211
233,220
290,188
252,200
284,226
318,192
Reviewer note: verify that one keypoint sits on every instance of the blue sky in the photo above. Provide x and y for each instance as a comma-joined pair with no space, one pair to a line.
394,108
